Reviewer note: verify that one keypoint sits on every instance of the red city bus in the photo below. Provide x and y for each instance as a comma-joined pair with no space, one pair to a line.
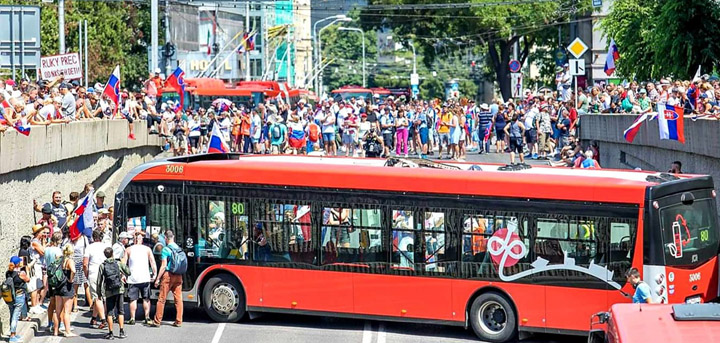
347,92
639,323
536,250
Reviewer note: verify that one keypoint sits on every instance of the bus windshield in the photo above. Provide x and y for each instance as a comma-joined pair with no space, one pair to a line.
690,232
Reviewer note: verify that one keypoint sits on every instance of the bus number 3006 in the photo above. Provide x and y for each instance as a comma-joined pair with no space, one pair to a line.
174,169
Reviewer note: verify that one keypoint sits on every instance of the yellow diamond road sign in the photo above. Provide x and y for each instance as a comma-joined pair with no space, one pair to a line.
577,47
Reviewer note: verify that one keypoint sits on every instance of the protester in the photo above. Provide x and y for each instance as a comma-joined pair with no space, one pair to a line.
93,258
169,281
18,272
141,262
111,288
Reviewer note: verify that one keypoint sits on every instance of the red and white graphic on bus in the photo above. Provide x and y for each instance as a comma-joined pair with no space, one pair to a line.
506,248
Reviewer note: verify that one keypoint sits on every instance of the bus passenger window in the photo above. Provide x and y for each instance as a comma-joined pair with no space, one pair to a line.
403,240
211,229
434,236
352,235
622,235
286,233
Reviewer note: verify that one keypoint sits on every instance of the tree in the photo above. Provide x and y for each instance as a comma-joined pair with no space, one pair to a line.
496,27
116,35
664,38
343,51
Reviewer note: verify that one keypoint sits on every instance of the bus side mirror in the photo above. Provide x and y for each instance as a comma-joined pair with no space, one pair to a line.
597,336
602,318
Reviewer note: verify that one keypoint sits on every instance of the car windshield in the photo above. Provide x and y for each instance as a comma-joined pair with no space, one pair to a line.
690,232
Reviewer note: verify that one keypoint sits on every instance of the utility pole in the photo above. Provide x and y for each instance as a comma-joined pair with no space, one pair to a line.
153,35
289,58
247,29
167,39
61,25
86,55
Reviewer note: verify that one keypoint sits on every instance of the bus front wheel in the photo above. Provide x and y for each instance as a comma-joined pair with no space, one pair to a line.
493,318
224,299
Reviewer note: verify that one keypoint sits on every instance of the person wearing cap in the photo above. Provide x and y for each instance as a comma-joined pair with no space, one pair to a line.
643,103
484,127
122,243
563,82
99,202
18,272
68,102
277,131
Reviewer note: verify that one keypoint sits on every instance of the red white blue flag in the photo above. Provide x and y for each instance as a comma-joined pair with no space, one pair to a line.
176,80
632,131
22,127
217,142
670,121
112,87
612,56
84,222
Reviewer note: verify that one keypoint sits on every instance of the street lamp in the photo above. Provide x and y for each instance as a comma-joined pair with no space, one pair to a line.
363,46
316,39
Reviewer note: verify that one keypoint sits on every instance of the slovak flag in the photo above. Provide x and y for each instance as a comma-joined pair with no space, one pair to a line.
22,127
217,143
243,47
83,217
612,56
632,131
176,80
6,108
670,121
112,87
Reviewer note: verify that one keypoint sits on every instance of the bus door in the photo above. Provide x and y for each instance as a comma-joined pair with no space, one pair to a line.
574,289
421,255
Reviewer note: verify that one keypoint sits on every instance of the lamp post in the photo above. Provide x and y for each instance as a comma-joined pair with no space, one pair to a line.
363,47
319,50
316,39
414,76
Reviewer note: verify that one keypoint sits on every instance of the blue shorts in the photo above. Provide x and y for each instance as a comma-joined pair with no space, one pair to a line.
423,135
328,137
255,140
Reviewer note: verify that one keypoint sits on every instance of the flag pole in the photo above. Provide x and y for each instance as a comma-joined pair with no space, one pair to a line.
202,73
228,56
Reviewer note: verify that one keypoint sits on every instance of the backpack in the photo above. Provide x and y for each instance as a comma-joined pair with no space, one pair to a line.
314,132
276,132
8,290
56,276
112,275
178,261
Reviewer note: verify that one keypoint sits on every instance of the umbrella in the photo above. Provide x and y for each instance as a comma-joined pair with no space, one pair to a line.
222,104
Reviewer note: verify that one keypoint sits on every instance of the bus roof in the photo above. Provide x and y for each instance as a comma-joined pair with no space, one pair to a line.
611,186
225,91
351,89
656,323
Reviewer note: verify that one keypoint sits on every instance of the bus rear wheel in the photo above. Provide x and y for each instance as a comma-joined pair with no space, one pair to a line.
493,318
224,299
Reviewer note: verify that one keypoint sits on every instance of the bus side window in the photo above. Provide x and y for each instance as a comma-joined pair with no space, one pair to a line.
621,244
352,235
287,233
403,240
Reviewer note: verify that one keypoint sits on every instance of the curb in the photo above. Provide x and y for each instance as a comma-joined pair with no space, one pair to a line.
28,330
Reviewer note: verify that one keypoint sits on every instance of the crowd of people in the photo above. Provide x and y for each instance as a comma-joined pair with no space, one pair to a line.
57,265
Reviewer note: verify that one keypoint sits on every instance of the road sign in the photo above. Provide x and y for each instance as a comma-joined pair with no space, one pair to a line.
516,84
577,48
577,67
514,66
597,3
414,79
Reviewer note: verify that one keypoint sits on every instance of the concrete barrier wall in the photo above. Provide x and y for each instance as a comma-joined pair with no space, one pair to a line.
699,155
62,157
57,142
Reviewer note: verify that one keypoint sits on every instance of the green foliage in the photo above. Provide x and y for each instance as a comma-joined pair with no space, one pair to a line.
343,51
118,34
664,38
495,28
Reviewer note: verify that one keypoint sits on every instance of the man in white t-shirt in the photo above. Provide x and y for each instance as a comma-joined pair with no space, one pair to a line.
94,257
140,260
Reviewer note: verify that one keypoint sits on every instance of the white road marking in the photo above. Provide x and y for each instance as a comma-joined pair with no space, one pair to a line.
58,339
367,333
381,333
218,333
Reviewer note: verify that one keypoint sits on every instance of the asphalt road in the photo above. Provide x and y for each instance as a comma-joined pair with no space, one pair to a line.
277,328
